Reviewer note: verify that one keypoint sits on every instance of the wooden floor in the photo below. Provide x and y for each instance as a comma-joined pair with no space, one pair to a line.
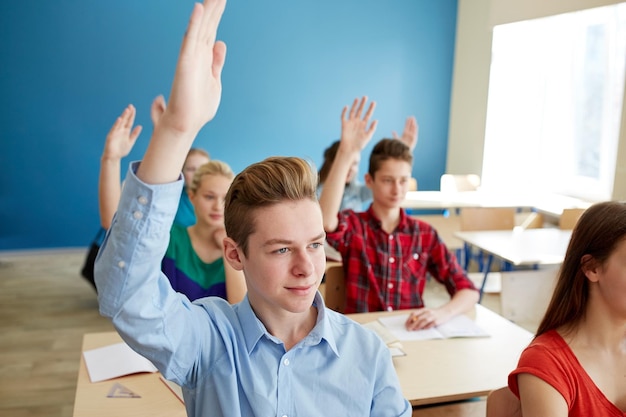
46,307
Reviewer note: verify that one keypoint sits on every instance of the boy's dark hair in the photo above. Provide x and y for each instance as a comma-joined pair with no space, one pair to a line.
329,156
388,149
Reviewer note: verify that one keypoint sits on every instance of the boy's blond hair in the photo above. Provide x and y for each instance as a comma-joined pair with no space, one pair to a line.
269,182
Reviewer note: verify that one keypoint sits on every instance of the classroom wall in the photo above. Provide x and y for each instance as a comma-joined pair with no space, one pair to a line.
468,108
70,67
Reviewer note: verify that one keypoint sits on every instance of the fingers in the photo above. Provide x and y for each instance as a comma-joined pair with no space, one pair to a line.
372,128
134,134
157,108
421,319
219,57
129,116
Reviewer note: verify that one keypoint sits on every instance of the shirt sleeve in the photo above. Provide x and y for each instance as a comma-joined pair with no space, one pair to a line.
445,268
388,398
544,363
342,234
150,316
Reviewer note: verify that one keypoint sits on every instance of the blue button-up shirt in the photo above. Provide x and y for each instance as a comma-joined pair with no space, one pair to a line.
222,355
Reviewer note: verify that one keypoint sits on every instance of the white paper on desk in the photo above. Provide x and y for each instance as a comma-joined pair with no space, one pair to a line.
459,326
114,361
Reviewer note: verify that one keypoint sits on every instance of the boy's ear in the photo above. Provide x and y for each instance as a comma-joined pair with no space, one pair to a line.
369,180
232,255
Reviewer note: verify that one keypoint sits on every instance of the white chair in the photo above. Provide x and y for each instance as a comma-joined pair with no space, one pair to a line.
455,183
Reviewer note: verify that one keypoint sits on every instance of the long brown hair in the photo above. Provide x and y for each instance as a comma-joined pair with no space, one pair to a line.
597,233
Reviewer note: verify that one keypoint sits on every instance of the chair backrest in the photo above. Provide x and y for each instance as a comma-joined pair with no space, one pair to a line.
487,218
532,220
335,287
503,403
452,183
569,217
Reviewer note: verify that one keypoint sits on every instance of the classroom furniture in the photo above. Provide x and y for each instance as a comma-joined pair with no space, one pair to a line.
443,370
569,218
455,183
432,372
503,403
525,295
531,247
551,205
335,287
483,218
140,395
446,227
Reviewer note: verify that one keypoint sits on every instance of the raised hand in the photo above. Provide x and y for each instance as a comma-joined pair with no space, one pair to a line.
157,109
355,133
194,98
122,136
409,136
197,87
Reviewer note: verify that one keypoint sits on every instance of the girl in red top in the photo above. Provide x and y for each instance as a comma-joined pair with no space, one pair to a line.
576,365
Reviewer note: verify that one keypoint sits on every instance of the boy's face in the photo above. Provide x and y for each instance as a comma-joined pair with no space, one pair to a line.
286,259
390,183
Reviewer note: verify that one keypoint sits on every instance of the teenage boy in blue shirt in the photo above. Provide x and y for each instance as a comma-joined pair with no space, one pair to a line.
279,352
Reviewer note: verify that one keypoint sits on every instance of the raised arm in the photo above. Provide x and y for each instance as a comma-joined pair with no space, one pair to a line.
119,142
409,136
194,98
355,134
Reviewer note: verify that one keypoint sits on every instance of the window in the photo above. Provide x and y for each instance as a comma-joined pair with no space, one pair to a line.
555,103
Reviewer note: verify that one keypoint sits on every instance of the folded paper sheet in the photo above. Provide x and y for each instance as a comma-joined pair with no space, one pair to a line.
114,361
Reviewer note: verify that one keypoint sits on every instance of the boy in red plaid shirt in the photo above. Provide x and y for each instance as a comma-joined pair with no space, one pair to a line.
386,253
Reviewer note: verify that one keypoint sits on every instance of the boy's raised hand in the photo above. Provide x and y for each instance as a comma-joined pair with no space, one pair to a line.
197,87
409,136
194,98
355,133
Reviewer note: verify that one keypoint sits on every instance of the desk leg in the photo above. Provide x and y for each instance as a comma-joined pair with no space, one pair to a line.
486,269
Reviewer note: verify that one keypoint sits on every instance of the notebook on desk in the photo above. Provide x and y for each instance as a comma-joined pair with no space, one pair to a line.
459,326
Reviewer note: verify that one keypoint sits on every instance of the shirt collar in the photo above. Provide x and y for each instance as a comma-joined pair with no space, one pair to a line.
403,225
253,329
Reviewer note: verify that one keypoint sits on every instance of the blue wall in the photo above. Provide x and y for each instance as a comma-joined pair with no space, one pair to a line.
69,67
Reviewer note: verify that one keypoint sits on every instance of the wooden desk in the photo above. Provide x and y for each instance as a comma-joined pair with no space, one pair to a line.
530,247
545,246
433,371
551,205
93,399
454,200
436,371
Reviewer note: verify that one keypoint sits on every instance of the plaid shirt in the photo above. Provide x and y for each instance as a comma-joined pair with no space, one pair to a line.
387,271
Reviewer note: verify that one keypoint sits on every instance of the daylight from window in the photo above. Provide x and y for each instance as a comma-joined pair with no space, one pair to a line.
555,102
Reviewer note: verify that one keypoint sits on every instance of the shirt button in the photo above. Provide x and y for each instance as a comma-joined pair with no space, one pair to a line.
390,285
392,260
389,308
390,237
137,215
142,200
416,256
286,362
121,264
